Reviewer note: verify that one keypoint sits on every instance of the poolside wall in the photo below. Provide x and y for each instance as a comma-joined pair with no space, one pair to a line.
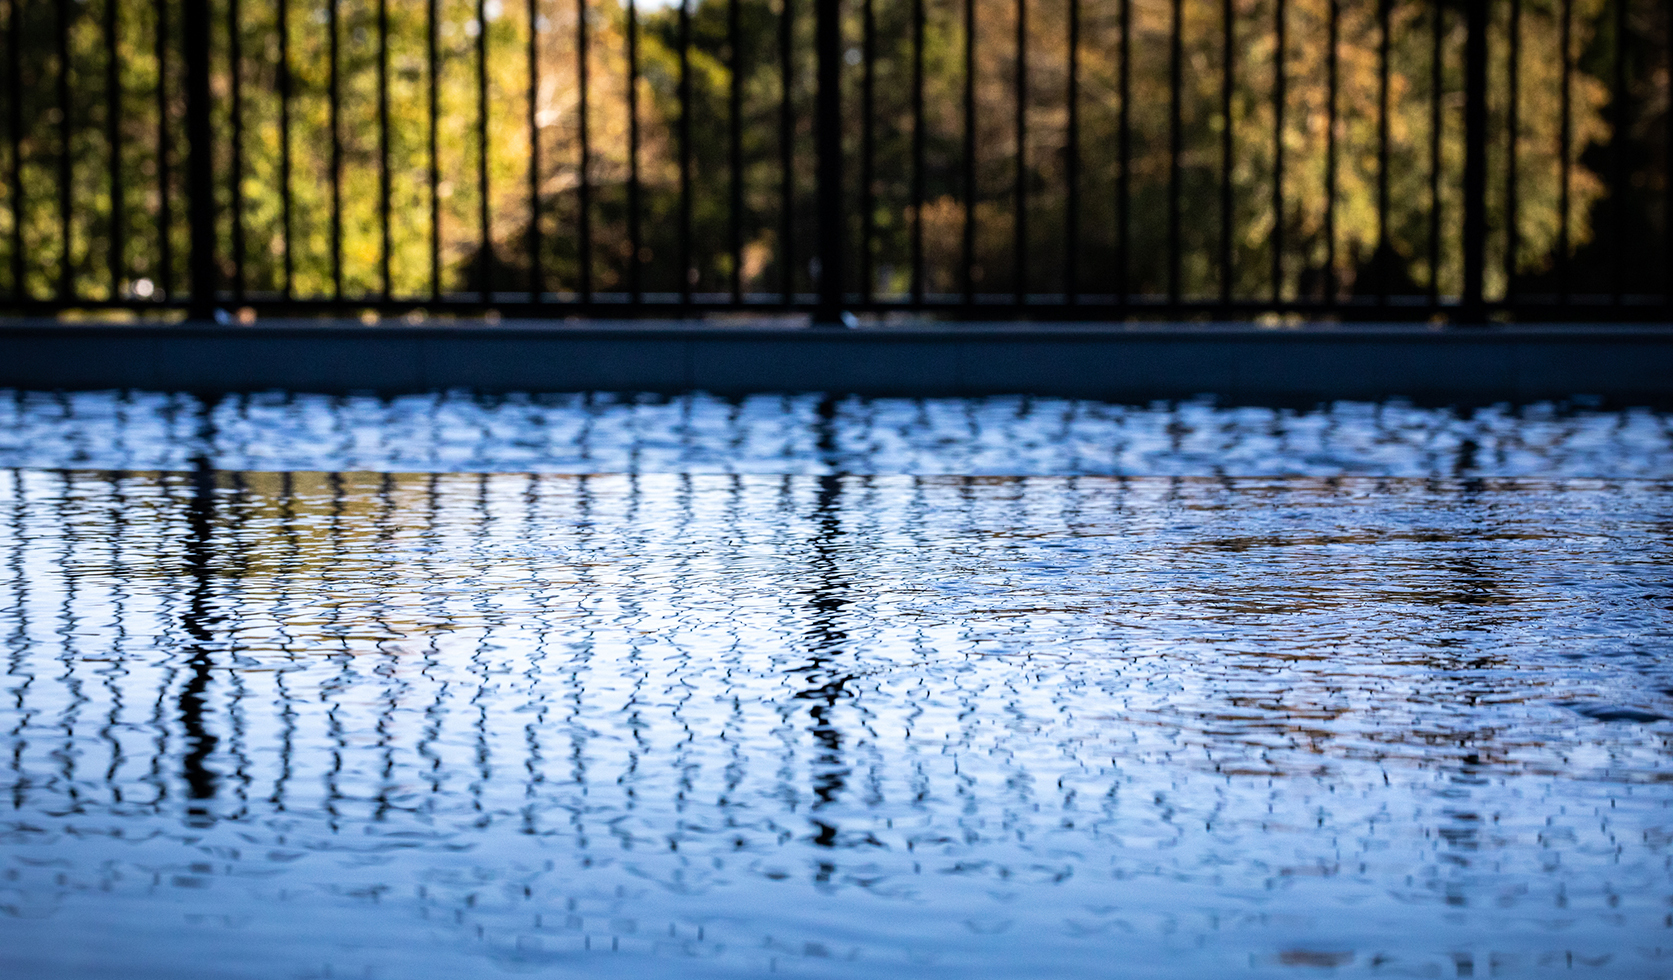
1238,363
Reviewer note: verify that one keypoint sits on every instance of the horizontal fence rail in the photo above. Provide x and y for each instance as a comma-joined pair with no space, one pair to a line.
1071,159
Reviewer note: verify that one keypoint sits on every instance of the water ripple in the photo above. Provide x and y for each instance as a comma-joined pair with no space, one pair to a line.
813,435
278,722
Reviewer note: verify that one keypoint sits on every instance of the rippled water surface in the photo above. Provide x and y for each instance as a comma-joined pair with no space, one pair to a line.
453,688
813,435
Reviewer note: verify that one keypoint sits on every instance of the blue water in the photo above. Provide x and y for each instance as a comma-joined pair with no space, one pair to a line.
810,435
444,687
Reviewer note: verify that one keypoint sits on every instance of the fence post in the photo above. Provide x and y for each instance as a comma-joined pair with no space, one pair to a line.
1475,161
200,165
827,122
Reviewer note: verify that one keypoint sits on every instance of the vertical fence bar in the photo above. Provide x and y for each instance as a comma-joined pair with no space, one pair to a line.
1565,125
1278,97
14,132
1176,137
66,132
868,204
200,161
1124,155
968,245
1332,38
634,283
917,152
1228,31
1617,155
1384,253
735,147
485,228
1019,247
165,203
537,283
113,142
432,30
201,199
334,96
1436,83
786,154
1513,128
1475,160
287,284
1071,152
828,135
385,244
685,152
235,68
584,166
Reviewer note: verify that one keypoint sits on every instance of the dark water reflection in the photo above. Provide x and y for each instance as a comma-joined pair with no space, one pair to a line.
370,724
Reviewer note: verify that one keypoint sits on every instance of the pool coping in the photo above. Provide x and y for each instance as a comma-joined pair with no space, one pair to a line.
1235,362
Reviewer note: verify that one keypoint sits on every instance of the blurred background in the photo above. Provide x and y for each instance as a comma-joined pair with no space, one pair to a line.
404,149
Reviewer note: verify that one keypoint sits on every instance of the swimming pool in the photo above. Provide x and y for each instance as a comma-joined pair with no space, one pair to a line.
834,688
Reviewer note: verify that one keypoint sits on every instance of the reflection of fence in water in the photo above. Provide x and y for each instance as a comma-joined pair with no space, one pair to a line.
364,645
262,642
1062,153
716,679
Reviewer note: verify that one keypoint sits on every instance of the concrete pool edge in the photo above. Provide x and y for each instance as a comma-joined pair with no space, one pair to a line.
1115,362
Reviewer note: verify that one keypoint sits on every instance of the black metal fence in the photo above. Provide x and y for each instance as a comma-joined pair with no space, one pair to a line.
1072,159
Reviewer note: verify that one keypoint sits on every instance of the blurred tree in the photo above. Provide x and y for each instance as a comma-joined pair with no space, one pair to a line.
1396,251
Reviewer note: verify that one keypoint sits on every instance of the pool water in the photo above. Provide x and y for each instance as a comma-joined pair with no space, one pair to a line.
449,687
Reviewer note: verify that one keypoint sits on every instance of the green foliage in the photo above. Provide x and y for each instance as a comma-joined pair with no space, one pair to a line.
518,118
